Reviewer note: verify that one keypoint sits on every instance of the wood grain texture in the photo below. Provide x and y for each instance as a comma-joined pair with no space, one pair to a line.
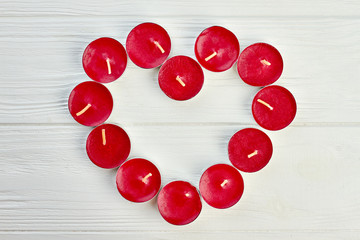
50,190
319,57
280,235
185,8
52,186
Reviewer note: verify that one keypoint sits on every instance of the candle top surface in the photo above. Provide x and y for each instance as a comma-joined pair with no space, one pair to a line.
179,203
148,45
221,186
250,150
138,180
260,64
90,103
274,107
108,146
181,78
217,49
104,60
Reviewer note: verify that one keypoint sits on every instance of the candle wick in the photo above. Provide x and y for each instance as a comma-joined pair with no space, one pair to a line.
103,136
211,56
265,62
180,81
224,183
108,65
146,177
83,110
159,46
265,103
253,154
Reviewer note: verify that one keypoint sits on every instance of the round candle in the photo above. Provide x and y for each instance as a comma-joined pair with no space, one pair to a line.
108,146
217,49
138,180
181,78
274,107
179,203
221,186
90,103
260,64
250,150
148,45
104,60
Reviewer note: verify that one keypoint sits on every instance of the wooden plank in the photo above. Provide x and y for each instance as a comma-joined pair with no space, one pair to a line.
142,8
283,235
41,63
310,185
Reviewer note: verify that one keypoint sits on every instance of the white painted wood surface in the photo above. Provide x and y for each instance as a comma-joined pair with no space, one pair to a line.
50,190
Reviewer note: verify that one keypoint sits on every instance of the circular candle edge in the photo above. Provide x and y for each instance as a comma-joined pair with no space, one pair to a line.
198,57
158,189
123,49
252,107
91,159
242,183
202,73
271,150
168,54
112,103
198,195
260,85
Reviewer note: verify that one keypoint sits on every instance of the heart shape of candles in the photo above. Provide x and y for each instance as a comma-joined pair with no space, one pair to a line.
181,78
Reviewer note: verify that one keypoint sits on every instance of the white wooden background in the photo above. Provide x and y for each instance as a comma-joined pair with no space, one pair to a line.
50,190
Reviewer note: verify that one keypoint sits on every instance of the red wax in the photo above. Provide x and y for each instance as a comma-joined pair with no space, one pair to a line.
181,78
138,180
108,146
274,107
260,64
221,186
217,49
179,203
148,45
90,103
104,60
250,150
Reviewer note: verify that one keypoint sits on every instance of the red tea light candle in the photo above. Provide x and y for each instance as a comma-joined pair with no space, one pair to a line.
250,150
221,186
138,180
148,45
217,49
90,103
108,146
260,64
274,107
179,203
181,78
104,60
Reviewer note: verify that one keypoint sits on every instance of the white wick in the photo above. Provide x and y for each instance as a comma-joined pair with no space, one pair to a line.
146,177
83,110
265,62
211,56
103,136
159,46
108,65
253,154
180,81
265,103
224,183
